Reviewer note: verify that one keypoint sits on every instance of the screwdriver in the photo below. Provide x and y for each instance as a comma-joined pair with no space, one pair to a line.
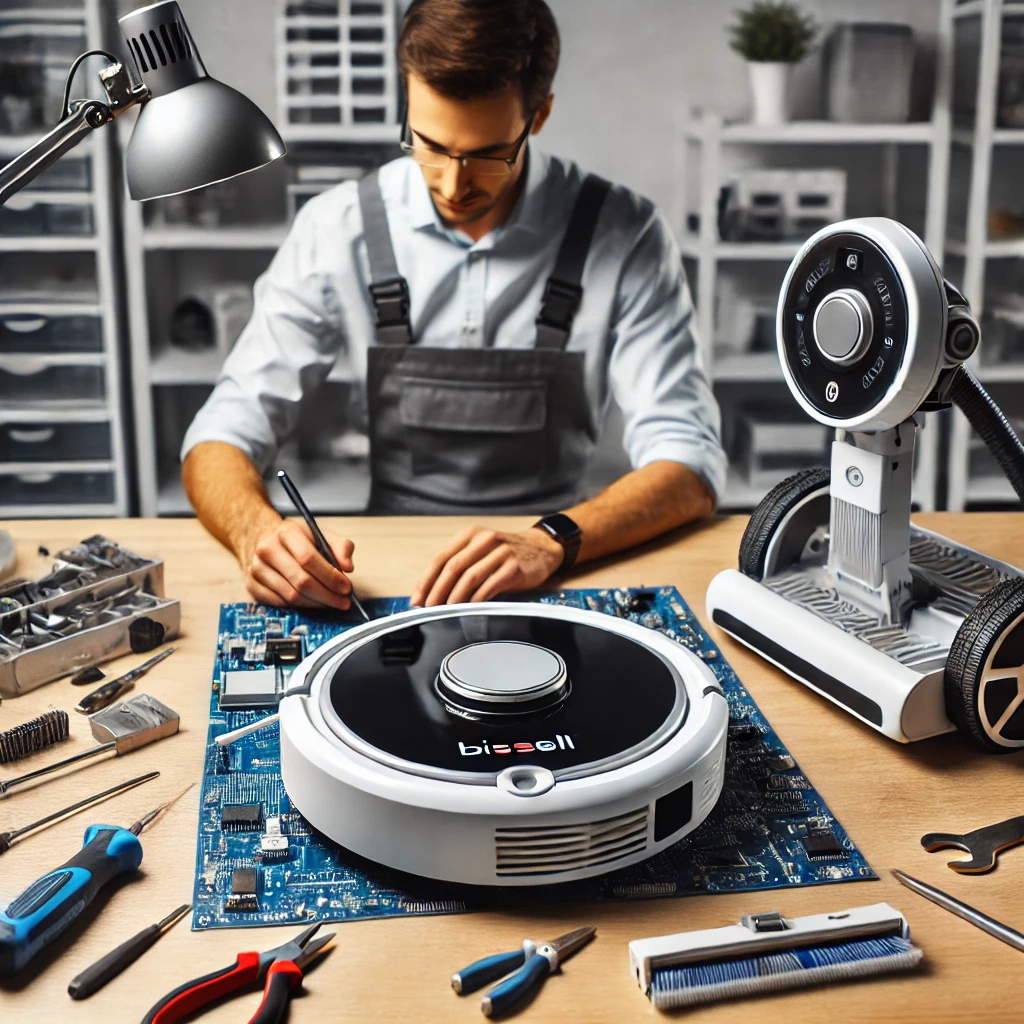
93,978
49,906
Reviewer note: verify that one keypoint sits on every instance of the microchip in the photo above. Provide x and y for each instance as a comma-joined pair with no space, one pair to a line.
744,733
275,627
241,817
244,895
283,650
722,857
274,845
234,648
823,847
248,688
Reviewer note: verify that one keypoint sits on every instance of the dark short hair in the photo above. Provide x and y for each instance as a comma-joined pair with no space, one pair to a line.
472,49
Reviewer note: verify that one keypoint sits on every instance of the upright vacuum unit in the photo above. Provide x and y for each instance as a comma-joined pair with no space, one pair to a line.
911,632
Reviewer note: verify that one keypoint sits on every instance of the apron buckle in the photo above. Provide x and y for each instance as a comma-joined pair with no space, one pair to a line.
391,306
560,303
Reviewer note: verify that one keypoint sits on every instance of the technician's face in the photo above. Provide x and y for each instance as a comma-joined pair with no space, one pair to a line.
467,128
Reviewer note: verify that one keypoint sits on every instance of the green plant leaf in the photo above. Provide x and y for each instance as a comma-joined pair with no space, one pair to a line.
773,30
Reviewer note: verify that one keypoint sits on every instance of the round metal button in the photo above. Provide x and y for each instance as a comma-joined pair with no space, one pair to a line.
842,326
503,672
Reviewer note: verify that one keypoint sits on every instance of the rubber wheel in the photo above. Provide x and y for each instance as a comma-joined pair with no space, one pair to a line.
774,507
985,671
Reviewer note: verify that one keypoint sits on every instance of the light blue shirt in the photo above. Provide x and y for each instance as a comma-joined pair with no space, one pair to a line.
635,325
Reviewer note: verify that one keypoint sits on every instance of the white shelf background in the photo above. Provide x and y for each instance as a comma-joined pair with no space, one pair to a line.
976,248
708,134
98,148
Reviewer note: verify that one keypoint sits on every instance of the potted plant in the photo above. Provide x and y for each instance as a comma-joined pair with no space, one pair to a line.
771,36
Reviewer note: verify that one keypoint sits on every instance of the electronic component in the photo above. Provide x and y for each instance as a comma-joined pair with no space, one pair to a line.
319,881
241,817
274,627
248,688
38,734
244,892
823,847
283,650
234,649
274,845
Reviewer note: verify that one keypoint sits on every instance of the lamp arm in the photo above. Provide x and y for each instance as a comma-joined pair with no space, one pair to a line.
50,148
85,117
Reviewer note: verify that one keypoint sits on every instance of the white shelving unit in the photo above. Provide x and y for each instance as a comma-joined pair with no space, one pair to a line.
710,136
980,142
336,63
62,441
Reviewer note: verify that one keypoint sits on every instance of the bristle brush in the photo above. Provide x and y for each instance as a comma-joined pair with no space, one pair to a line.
770,953
38,734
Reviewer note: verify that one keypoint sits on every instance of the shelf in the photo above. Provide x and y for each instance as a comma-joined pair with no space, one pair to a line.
59,511
268,236
818,133
66,466
995,248
42,414
48,243
753,366
329,488
691,247
32,197
975,7
27,362
1000,137
42,13
49,308
381,134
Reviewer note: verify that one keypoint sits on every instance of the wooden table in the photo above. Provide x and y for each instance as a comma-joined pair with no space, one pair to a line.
886,795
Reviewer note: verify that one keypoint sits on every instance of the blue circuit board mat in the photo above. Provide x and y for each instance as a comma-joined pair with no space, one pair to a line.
770,829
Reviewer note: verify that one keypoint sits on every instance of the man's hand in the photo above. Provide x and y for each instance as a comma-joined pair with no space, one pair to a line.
283,566
480,564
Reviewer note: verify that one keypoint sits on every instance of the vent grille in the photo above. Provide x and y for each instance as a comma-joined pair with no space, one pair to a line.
158,47
560,849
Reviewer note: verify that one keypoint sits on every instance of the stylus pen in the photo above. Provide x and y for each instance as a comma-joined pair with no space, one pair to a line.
318,537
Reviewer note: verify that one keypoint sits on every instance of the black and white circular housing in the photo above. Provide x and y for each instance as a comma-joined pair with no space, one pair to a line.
503,744
861,324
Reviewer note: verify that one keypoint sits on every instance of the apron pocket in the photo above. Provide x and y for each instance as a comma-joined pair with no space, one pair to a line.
487,436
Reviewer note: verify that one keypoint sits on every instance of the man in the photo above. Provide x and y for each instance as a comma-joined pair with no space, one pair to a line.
495,299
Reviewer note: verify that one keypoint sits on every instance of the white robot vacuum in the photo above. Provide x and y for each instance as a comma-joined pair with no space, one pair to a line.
503,744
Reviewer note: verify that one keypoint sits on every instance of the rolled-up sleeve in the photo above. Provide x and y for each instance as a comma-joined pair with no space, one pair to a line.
286,351
656,373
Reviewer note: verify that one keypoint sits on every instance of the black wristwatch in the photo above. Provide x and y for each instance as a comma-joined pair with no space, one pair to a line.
566,532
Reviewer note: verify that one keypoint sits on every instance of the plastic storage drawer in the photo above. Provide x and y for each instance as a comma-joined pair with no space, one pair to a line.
50,383
55,442
27,332
56,488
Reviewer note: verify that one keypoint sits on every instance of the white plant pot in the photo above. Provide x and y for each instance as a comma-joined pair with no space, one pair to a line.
769,86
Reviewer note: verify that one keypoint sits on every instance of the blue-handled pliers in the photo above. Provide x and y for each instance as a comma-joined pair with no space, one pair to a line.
533,962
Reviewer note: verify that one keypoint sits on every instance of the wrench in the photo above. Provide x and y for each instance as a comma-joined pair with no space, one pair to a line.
983,844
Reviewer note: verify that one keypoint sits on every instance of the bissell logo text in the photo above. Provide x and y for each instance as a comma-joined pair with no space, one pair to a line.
560,742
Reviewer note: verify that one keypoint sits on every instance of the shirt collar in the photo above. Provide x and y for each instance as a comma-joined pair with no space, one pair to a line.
527,213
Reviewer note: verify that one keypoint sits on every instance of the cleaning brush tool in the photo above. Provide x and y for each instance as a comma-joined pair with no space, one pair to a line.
40,733
769,953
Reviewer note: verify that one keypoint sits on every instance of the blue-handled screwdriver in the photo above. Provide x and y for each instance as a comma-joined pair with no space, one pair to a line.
51,904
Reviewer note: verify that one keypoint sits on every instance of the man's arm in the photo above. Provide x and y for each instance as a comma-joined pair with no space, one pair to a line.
671,436
480,564
280,561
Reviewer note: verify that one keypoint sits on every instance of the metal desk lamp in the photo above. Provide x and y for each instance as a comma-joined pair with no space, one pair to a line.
191,131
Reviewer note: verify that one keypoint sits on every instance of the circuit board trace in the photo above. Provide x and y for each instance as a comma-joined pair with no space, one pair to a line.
259,862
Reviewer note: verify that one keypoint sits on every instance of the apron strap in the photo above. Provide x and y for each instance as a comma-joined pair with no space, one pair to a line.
563,292
389,292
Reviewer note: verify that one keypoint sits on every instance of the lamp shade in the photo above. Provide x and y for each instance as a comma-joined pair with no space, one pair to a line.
193,130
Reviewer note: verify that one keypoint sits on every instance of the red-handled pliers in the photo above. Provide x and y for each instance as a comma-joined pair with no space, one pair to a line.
283,968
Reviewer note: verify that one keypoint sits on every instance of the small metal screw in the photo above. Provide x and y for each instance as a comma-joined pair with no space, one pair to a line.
854,476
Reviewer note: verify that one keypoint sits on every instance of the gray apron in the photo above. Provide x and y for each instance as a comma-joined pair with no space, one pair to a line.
477,431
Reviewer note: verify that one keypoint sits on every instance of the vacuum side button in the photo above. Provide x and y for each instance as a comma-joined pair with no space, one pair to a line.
525,780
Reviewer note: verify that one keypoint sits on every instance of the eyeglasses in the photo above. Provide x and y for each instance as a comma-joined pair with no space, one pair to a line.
478,166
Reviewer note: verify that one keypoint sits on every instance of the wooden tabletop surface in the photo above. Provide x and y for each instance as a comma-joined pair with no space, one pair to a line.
886,796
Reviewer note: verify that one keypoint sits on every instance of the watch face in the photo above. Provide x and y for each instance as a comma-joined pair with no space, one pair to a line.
561,526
